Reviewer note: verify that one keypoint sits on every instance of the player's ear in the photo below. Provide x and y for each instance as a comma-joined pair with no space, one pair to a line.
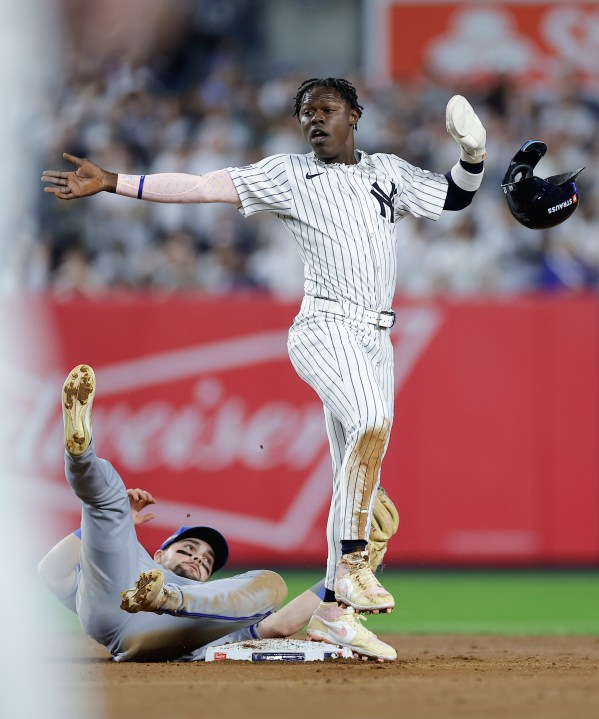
353,118
158,556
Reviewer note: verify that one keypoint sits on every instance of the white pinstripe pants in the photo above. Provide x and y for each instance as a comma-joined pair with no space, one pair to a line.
350,365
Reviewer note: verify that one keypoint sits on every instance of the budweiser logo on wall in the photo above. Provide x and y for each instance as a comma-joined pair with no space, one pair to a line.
222,432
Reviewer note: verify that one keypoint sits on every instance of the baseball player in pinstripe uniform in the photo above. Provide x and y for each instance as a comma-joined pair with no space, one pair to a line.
341,206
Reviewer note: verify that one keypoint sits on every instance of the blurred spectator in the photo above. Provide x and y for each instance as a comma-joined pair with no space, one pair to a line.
211,113
74,275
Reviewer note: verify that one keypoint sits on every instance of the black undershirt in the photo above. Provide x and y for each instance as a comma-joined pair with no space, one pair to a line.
458,198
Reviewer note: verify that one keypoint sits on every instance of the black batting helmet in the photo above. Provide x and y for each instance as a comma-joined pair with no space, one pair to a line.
534,202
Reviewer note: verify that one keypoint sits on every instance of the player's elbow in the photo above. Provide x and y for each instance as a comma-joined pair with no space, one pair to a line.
45,574
57,580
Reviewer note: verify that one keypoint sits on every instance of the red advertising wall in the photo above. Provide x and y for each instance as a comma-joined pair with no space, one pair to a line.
493,458
535,40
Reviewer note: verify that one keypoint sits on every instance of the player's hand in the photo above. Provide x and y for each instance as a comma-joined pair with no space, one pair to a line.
385,523
464,125
88,179
139,499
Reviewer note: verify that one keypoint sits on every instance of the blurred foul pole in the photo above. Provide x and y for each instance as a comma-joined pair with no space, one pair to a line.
33,680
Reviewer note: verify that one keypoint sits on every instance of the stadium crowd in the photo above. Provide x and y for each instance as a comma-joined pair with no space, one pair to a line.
136,120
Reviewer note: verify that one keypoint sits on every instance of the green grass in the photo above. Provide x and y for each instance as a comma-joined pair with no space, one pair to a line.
544,602
484,602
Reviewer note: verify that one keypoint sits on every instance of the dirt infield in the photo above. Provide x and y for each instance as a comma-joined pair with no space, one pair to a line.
435,676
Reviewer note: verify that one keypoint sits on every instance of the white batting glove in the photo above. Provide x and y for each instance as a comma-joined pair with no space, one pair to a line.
466,129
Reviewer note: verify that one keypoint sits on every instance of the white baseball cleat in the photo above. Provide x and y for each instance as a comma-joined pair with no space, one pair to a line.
341,625
77,398
150,594
464,125
357,587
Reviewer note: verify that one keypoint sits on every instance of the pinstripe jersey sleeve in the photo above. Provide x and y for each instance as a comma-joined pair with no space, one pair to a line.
263,186
421,193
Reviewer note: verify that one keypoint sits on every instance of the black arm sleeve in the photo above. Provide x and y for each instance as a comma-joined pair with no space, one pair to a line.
458,198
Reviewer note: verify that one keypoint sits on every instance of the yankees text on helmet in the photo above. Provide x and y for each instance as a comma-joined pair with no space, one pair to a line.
534,202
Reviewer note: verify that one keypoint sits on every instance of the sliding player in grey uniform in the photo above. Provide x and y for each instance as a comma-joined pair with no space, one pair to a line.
85,574
340,205
193,613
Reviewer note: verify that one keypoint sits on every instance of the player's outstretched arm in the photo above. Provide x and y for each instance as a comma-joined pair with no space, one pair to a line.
292,617
88,179
173,187
178,187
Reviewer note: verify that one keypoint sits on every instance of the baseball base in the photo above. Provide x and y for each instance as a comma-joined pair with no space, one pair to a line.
277,650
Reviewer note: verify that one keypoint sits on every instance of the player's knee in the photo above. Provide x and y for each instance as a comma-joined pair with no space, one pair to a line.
278,588
383,428
373,436
274,586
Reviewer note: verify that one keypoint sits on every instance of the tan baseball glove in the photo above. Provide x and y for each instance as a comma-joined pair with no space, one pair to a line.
385,522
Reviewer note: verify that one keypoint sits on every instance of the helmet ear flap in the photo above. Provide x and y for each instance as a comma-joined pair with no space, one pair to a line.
521,171
524,161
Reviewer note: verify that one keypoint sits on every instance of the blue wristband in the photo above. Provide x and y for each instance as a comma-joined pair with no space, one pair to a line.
319,589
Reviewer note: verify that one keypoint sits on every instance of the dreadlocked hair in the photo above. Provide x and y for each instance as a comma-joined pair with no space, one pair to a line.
343,87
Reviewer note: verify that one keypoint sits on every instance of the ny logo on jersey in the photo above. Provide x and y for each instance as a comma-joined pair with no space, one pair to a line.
385,201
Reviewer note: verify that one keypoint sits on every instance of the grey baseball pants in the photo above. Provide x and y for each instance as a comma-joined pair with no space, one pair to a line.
112,560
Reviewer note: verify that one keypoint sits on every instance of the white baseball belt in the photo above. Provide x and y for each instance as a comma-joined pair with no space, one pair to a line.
385,318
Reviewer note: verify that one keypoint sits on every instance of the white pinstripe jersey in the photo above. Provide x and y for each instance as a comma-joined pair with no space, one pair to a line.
342,216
